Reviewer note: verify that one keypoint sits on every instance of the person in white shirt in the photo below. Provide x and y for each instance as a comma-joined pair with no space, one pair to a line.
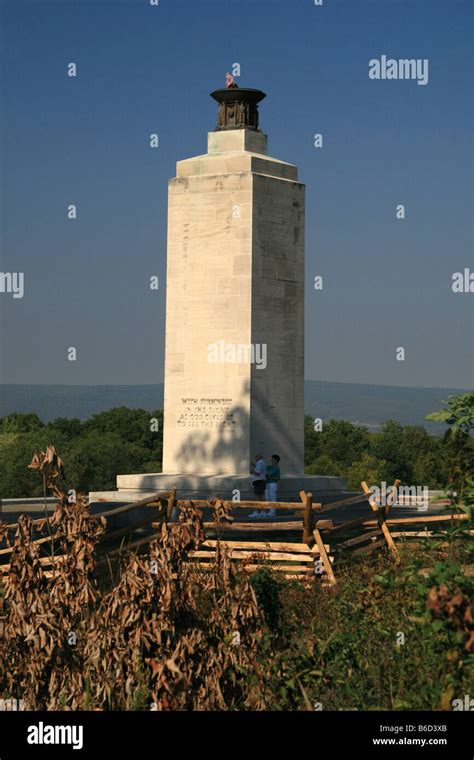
258,470
273,479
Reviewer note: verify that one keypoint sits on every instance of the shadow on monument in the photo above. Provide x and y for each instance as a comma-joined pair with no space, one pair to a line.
230,448
239,440
215,461
281,439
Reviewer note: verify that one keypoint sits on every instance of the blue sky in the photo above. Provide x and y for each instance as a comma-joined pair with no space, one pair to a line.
144,69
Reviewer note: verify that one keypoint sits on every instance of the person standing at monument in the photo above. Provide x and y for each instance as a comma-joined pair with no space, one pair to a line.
273,478
258,470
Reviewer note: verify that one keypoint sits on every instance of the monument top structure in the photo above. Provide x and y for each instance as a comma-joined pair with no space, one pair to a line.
238,108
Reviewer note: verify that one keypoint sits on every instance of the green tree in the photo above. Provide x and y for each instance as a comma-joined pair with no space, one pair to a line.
16,480
368,468
389,446
458,414
430,468
93,461
458,442
344,442
339,440
66,428
312,440
324,465
132,425
19,422
416,440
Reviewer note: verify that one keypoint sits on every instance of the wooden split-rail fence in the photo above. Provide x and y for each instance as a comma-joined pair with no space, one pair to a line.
301,545
377,529
299,559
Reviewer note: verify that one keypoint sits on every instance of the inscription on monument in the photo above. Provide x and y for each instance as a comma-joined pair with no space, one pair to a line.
206,413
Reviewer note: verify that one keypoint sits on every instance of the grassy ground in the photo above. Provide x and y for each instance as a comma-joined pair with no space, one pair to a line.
389,637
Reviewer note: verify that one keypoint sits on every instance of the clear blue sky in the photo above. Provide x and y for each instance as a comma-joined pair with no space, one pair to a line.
144,69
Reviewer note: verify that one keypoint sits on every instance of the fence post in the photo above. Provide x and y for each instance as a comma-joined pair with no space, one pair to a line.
307,517
171,503
391,497
380,515
323,555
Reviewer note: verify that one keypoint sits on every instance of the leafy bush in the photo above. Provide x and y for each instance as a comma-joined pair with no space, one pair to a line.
267,587
390,637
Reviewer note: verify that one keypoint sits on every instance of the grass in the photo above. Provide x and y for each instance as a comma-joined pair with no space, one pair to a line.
388,637
374,643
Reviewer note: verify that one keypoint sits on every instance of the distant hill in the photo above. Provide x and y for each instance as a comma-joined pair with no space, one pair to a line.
51,401
371,405
368,405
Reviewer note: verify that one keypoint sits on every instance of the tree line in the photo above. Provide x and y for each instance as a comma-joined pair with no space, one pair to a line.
124,440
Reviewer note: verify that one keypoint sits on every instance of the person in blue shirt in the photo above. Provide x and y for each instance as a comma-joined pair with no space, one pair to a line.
273,478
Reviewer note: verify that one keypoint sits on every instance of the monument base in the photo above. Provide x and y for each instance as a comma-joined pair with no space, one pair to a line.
135,487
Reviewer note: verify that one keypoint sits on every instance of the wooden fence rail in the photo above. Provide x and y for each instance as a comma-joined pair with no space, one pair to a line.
293,559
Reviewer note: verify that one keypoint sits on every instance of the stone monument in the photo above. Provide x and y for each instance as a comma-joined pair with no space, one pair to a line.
234,351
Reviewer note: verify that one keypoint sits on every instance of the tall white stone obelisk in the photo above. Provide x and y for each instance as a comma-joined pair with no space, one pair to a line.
234,353
234,280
